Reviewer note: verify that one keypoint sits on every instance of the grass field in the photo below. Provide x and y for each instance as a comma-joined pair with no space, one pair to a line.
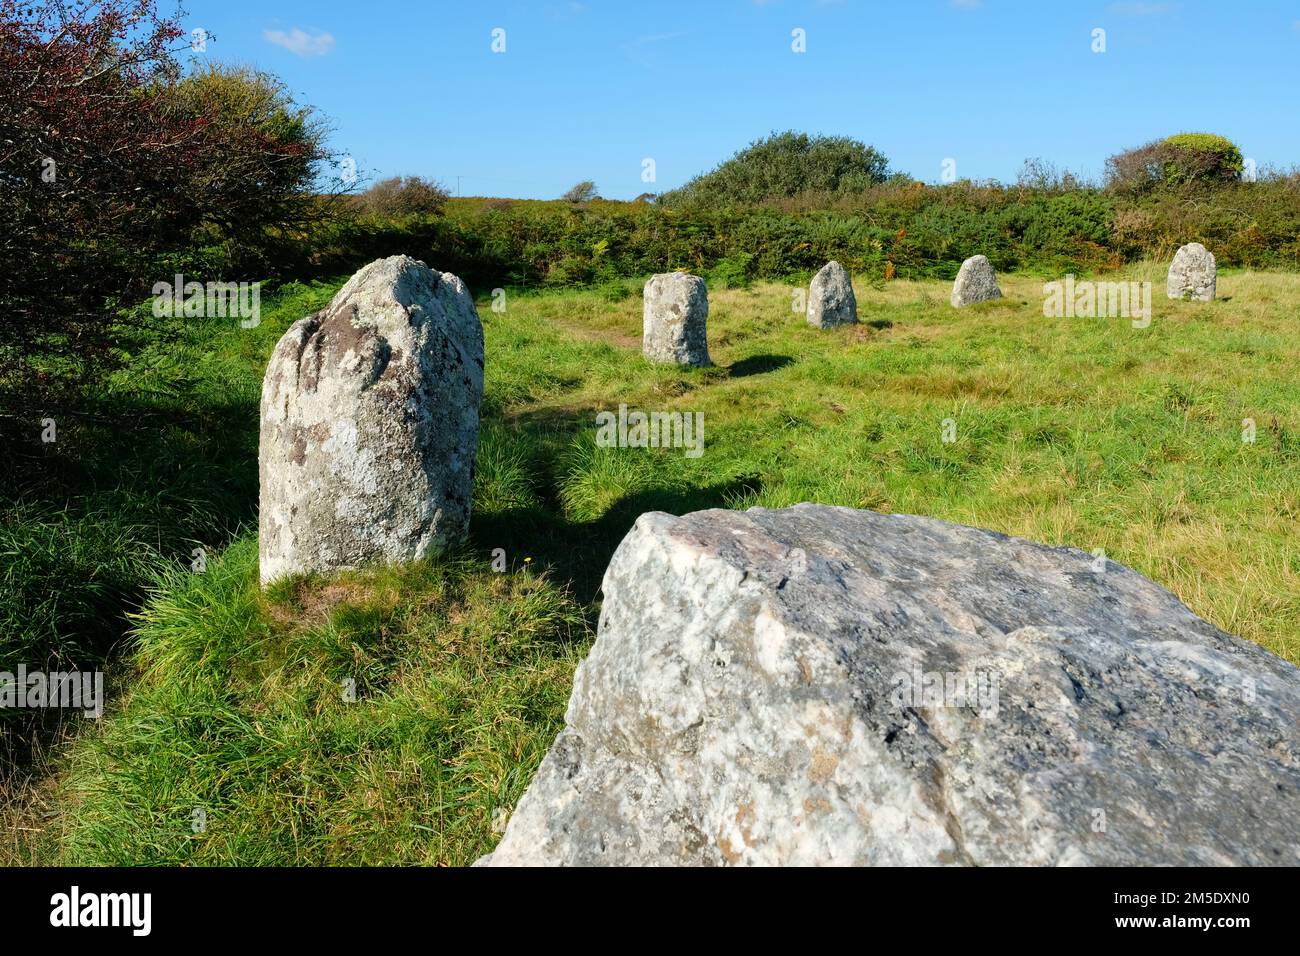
394,715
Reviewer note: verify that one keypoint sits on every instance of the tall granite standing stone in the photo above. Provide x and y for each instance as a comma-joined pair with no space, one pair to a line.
674,320
370,413
1192,274
975,282
821,685
830,298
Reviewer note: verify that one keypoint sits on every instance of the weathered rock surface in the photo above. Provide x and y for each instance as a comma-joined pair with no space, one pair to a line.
975,282
1192,274
762,691
674,320
830,298
370,423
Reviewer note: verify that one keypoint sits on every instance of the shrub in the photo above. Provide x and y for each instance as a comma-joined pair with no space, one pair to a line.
109,163
1187,159
732,272
584,191
784,165
1202,158
402,196
267,152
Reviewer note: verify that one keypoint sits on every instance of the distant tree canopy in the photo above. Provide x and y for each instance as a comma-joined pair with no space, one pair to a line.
402,196
784,165
584,191
266,150
1186,159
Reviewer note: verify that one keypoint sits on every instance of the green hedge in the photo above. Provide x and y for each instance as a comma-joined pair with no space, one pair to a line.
921,232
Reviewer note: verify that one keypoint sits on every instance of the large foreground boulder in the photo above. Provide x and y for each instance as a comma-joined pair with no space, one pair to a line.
1192,274
370,423
831,301
821,685
975,282
675,316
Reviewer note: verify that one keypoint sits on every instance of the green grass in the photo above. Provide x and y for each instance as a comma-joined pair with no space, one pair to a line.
376,717
1070,431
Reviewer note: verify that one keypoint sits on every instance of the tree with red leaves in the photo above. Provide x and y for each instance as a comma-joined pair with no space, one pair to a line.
110,160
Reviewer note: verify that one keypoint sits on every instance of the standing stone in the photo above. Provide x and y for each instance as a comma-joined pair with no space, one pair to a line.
975,282
674,318
1192,274
370,414
830,298
821,685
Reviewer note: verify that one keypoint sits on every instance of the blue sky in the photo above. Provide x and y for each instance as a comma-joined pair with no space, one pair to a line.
589,89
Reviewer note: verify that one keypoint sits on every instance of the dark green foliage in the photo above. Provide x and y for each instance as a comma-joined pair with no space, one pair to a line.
904,230
1187,160
784,165
401,196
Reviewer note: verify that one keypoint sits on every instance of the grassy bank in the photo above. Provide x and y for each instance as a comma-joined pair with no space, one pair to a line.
1083,432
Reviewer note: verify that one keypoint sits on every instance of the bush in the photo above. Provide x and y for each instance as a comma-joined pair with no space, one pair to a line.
110,165
584,191
1187,159
922,233
268,152
402,196
732,272
1202,158
785,165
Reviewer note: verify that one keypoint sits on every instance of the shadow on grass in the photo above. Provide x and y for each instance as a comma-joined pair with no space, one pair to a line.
130,484
577,553
759,365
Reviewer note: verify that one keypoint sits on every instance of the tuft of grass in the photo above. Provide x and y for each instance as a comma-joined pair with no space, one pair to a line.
380,716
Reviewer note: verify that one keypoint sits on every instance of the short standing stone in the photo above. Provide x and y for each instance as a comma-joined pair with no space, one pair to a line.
674,320
830,298
370,413
1192,274
975,282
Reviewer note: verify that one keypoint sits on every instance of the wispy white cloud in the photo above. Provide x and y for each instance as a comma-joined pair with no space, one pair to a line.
641,51
1141,8
657,38
301,43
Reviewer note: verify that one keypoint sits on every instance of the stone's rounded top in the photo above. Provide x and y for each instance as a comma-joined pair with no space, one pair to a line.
675,278
401,279
975,282
825,685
